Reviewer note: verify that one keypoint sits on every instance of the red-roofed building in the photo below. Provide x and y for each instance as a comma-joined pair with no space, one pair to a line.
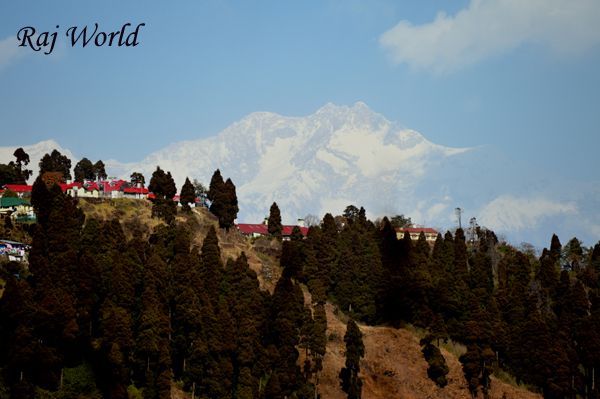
91,186
261,229
88,189
70,188
430,234
135,192
112,189
20,189
287,230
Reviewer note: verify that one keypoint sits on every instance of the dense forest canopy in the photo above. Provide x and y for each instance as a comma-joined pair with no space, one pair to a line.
95,314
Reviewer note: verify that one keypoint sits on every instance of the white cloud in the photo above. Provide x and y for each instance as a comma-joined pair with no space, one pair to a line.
490,27
508,213
10,51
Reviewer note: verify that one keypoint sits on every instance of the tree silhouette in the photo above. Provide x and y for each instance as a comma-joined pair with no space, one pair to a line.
351,383
137,178
274,222
84,170
56,162
100,170
22,160
163,187
187,195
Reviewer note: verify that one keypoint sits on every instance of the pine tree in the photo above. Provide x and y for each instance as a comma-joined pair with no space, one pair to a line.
247,309
164,189
318,341
22,160
137,178
8,175
357,275
292,259
188,305
555,248
116,334
419,284
55,162
223,197
351,383
548,272
231,206
274,222
438,369
216,185
152,338
84,170
285,323
100,170
212,268
324,243
187,196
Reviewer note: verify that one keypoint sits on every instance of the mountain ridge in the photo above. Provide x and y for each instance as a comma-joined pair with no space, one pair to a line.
341,155
272,157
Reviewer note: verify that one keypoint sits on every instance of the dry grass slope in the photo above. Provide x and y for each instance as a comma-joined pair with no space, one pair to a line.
394,367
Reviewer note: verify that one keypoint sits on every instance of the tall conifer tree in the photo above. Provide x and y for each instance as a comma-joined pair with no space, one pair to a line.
351,382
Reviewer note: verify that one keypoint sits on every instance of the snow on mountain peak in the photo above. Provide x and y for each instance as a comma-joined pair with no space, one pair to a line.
307,163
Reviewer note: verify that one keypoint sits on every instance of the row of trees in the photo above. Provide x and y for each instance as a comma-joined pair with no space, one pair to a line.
86,170
223,200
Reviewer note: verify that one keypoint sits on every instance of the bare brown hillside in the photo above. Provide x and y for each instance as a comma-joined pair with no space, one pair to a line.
394,367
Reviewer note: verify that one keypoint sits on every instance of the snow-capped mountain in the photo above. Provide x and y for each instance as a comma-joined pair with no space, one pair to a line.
320,163
343,155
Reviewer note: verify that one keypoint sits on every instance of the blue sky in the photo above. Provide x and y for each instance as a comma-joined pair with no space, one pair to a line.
519,77
203,64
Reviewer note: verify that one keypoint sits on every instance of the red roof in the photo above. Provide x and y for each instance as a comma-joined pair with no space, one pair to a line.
263,229
260,228
92,186
153,196
287,230
114,185
64,186
136,190
426,230
18,188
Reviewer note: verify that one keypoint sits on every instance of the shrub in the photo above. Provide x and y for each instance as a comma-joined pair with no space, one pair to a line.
438,368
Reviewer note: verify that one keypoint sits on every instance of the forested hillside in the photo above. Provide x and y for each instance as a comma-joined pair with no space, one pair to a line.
128,302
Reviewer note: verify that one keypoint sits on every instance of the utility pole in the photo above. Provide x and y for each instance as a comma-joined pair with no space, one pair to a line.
458,212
